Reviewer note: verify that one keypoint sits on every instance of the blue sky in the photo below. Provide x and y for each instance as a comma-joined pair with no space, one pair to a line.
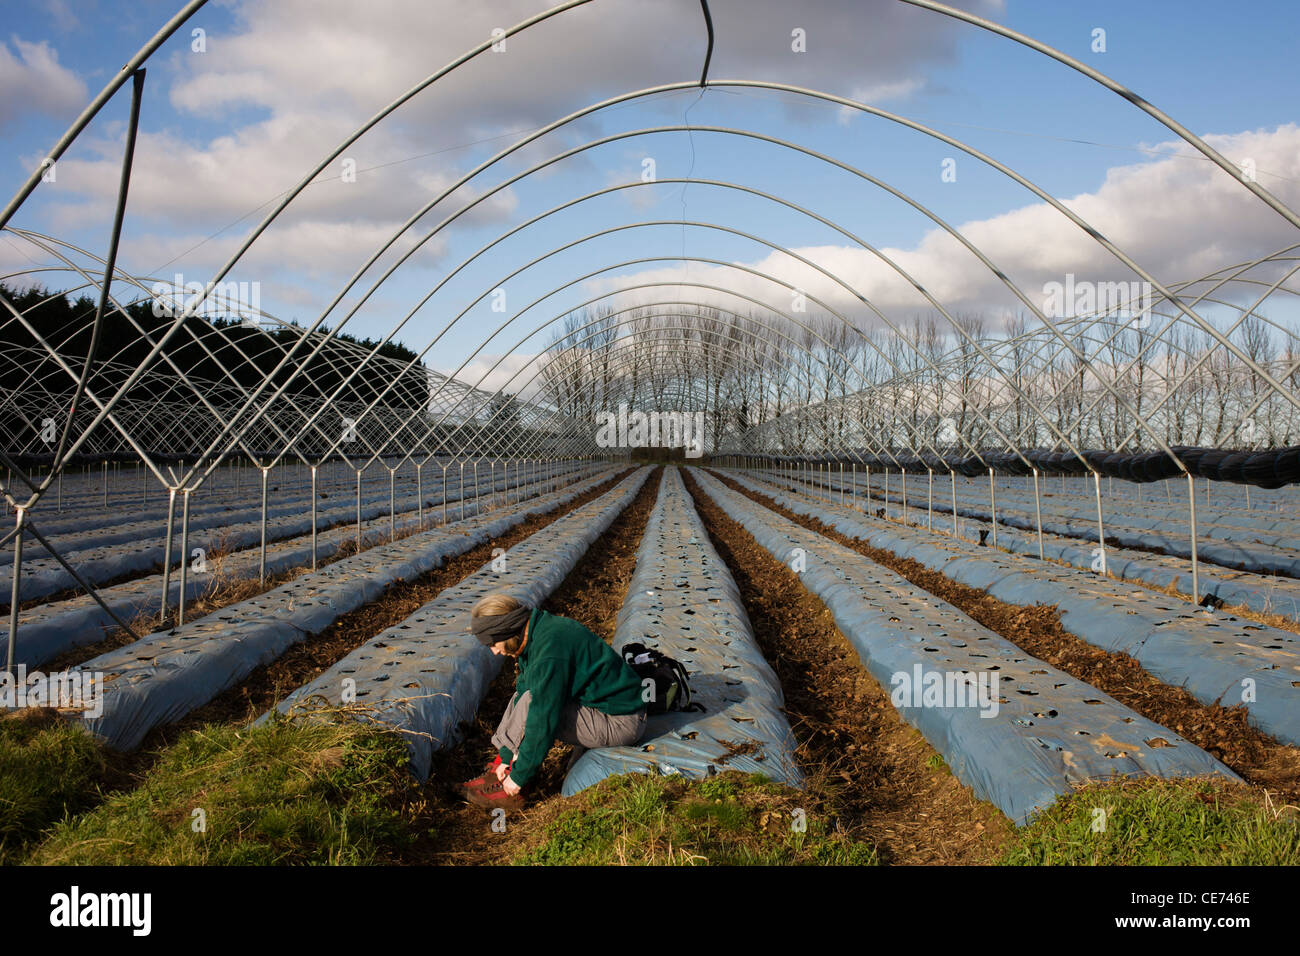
225,130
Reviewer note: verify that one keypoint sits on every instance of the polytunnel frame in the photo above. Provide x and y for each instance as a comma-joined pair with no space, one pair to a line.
925,4
829,98
1081,331
655,345
1093,74
1082,359
184,376
1090,321
619,265
1245,314
147,50
849,103
628,134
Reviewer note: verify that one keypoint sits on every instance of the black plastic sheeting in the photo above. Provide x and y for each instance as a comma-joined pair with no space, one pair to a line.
48,630
161,678
1265,593
138,547
1260,543
1050,732
1217,658
1265,469
683,601
426,676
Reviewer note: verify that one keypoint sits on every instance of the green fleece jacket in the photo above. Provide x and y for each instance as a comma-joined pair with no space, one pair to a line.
563,661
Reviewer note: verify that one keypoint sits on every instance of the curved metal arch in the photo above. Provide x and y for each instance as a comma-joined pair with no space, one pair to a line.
655,344
1274,384
1110,247
1097,76
119,79
675,285
939,221
303,183
611,230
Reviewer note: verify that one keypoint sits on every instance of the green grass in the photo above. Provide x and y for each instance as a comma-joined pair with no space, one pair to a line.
1159,823
49,769
731,819
321,791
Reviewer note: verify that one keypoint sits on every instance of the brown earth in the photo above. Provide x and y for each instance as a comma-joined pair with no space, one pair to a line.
456,832
875,775
1222,731
305,661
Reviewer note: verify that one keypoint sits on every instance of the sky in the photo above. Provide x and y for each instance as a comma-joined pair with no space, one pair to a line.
237,114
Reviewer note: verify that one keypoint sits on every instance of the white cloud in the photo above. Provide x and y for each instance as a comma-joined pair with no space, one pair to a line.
513,373
33,81
1179,217
311,71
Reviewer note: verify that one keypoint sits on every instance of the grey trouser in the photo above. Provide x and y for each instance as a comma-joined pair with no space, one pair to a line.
585,726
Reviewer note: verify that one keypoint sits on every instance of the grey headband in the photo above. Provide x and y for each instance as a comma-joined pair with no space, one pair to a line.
493,628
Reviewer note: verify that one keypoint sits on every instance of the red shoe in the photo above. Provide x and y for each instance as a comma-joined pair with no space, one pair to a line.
493,795
489,776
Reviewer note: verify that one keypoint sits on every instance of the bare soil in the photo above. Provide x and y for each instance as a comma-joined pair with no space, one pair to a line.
305,661
877,776
1221,731
593,593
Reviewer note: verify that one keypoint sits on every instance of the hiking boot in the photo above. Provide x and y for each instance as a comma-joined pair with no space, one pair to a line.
489,776
493,795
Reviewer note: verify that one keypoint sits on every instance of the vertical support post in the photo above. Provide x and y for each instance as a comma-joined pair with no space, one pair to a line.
841,483
106,483
929,504
359,470
185,556
261,556
462,487
956,527
1101,531
1191,504
167,554
419,494
993,507
1038,512
904,496
886,493
853,487
313,517
14,595
444,493
392,504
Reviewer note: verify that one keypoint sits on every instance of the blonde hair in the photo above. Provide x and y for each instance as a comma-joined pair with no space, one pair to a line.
491,605
494,604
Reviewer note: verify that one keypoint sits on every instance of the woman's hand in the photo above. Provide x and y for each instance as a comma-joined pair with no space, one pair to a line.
510,787
503,771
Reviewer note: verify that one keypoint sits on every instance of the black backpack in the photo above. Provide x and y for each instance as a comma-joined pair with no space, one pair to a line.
671,692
